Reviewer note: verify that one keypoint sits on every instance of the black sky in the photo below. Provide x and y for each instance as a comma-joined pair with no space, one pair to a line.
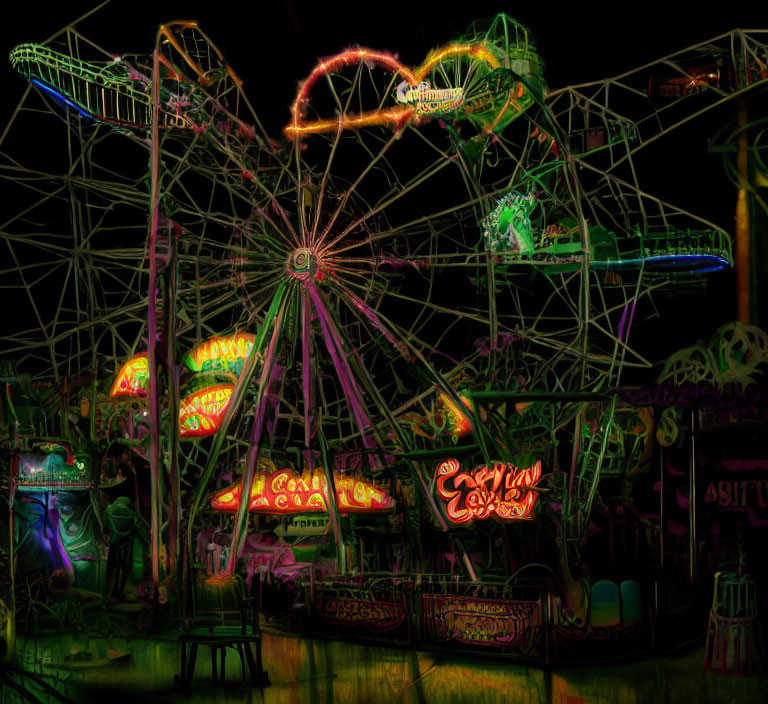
579,41
274,44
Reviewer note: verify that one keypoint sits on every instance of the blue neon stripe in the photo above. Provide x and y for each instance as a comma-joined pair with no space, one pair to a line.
685,260
60,97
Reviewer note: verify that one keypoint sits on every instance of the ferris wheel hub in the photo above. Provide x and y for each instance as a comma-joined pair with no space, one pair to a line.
304,263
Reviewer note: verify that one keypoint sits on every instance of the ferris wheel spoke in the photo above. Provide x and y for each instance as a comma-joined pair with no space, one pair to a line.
357,359
425,303
269,369
403,342
308,378
324,181
408,229
286,222
254,359
368,168
420,179
348,383
364,313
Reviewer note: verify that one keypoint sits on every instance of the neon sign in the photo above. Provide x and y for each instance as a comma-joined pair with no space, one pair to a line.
429,100
221,354
482,621
502,490
286,491
133,377
201,412
414,95
345,611
52,466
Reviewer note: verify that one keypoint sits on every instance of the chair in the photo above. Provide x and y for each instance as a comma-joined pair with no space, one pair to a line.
733,633
223,618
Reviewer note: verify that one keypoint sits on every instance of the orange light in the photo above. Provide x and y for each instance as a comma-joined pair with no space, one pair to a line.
286,491
396,117
459,421
346,58
502,490
476,50
133,377
201,412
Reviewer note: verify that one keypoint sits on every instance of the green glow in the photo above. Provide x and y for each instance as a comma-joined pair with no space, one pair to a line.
508,226
110,91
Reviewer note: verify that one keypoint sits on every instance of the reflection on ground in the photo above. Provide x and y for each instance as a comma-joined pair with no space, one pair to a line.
305,670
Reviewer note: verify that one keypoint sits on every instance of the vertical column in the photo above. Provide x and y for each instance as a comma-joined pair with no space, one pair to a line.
174,516
743,244
693,571
154,401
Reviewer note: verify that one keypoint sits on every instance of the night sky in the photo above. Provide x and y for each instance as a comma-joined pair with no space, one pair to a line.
273,45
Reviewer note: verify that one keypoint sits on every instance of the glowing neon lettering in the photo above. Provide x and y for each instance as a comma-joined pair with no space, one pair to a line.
502,490
286,491
201,412
221,354
429,100
344,611
133,377
414,95
486,621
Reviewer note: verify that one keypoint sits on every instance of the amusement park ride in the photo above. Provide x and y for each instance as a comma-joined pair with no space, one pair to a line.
402,329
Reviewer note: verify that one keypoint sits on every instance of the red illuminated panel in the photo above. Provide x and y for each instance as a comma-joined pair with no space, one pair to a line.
481,621
133,377
201,412
286,491
502,490
394,116
348,611
225,354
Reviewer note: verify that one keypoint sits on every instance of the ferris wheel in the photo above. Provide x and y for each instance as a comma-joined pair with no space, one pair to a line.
422,233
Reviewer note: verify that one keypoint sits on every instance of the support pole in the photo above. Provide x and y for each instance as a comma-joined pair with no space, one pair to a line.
661,508
154,400
255,357
692,536
333,504
11,595
743,244
240,527
310,426
174,478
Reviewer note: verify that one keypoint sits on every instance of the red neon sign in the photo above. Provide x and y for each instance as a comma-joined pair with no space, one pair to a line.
502,490
133,377
413,94
486,621
201,412
350,611
286,491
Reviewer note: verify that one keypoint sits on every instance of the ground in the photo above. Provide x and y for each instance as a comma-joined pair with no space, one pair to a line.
325,672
